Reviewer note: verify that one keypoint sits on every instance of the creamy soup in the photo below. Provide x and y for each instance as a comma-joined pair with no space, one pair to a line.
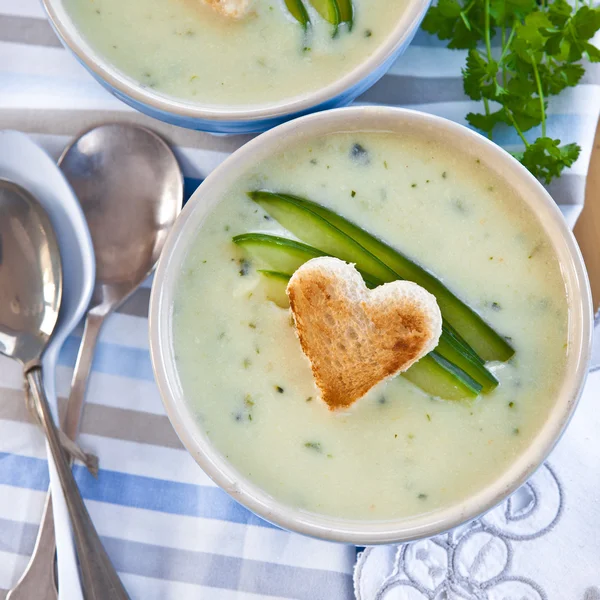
185,49
397,451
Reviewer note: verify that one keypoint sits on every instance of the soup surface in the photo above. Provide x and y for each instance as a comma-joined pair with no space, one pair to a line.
185,49
397,451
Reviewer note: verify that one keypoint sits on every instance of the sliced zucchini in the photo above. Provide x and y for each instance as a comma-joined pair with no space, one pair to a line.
274,285
460,343
277,253
329,10
278,276
486,342
346,12
319,233
298,11
454,353
285,255
438,377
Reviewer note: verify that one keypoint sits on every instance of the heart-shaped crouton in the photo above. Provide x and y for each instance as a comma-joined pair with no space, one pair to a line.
355,337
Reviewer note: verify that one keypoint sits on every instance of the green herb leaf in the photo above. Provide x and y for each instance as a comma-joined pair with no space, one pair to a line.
542,46
530,35
487,122
449,21
506,11
480,77
559,12
449,8
593,54
545,158
586,22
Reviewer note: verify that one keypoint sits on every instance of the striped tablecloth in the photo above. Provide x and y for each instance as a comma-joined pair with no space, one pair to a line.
169,530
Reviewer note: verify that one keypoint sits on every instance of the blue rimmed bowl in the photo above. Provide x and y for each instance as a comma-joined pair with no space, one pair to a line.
237,119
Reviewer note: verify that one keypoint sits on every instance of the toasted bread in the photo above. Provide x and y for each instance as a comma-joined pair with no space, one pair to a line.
354,337
234,9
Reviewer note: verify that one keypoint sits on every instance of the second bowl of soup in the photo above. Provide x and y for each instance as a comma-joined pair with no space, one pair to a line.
402,196
185,62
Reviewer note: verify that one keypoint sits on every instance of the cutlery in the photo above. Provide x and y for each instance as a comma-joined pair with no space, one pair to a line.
26,164
30,295
130,188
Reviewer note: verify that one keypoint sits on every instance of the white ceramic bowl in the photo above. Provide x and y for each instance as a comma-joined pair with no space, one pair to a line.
237,119
189,226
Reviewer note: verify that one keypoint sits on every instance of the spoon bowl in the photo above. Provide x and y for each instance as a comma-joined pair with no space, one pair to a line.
30,275
130,188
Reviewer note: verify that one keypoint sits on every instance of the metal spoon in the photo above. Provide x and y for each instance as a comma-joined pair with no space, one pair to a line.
30,294
130,187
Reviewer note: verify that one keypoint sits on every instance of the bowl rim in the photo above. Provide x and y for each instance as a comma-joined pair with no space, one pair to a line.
67,31
348,530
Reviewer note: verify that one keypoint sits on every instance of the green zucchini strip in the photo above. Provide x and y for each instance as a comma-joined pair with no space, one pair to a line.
297,9
283,255
330,11
346,12
473,330
276,275
440,378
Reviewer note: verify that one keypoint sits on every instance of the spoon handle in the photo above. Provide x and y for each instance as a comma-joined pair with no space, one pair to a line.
38,580
99,578
83,366
40,568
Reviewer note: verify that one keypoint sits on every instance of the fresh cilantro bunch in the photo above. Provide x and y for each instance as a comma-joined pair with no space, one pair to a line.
542,45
